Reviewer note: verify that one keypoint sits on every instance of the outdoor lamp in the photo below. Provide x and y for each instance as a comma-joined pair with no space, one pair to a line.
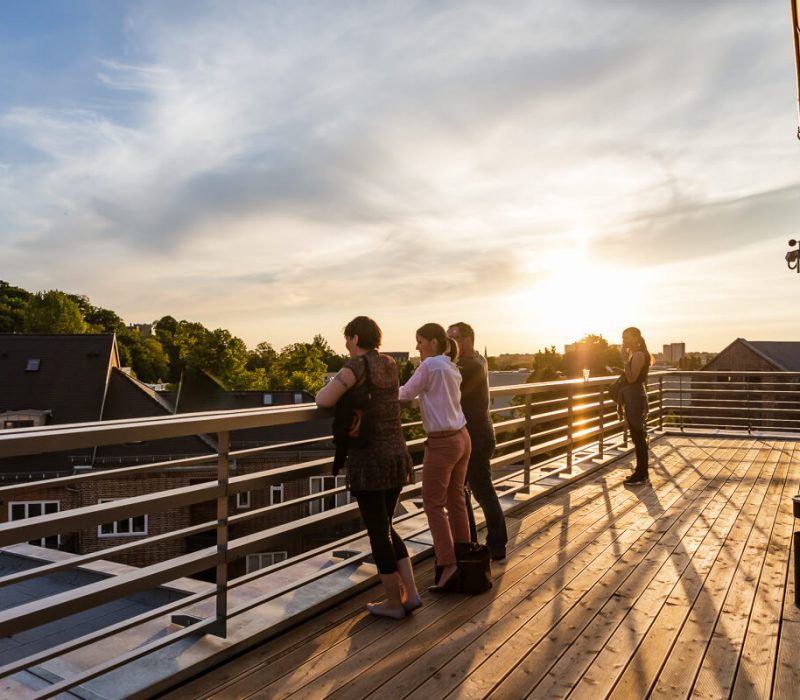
793,256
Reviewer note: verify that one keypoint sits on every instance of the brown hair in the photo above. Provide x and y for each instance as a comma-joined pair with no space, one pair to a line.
368,332
445,346
464,329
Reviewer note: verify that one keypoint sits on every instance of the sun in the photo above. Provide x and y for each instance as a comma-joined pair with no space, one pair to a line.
572,295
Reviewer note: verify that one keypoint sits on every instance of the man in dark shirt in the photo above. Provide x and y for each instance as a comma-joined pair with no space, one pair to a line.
475,404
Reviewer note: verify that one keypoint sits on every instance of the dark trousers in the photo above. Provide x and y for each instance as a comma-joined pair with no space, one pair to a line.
639,438
377,509
479,482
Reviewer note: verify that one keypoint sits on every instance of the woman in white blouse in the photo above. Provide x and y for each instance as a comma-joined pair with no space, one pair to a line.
437,383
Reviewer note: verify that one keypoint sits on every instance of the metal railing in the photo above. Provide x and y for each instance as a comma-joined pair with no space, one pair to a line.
551,427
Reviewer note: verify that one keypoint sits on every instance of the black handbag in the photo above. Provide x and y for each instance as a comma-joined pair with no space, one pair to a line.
474,567
615,390
353,420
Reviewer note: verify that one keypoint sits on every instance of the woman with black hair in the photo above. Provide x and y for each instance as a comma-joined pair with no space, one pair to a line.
377,473
437,383
634,399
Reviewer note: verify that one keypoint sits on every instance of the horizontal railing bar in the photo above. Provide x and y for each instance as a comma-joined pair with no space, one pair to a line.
86,516
57,438
81,559
59,605
97,635
123,659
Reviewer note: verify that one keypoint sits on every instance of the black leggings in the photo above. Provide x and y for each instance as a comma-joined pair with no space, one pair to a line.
639,438
377,509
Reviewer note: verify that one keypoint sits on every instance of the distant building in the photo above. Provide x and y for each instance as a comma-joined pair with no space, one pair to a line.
143,329
398,356
672,353
757,356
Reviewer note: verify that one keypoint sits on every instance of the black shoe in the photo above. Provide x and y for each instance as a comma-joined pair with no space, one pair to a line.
634,480
497,553
450,585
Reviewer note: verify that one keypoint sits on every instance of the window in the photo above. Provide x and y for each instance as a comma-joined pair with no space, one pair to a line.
298,397
8,424
266,399
317,484
31,509
33,364
136,525
275,494
243,499
264,559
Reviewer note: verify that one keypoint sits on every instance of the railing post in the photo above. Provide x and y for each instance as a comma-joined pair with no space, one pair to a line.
601,424
680,400
527,443
220,627
660,402
570,418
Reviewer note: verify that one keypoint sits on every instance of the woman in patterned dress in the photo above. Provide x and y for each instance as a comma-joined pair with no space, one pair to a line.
377,473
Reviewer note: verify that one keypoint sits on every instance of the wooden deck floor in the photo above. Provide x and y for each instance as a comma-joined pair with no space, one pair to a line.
683,589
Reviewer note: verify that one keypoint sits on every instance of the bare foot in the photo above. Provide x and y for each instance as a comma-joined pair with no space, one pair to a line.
412,603
383,609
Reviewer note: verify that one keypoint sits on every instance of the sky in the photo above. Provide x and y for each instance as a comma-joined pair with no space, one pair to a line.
540,170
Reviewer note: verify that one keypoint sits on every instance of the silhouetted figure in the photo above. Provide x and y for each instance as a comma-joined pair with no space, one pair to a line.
475,404
634,399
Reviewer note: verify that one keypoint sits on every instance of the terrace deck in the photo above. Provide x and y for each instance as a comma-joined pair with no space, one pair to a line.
683,589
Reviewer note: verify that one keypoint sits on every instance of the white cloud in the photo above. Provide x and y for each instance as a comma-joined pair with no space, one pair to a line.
298,156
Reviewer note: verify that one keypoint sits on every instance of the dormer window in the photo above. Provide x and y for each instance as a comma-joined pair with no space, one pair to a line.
33,364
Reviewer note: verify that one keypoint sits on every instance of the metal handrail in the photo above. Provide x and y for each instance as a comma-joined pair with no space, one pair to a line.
576,413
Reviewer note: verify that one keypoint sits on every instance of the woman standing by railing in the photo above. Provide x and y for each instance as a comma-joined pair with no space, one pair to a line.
376,473
437,383
634,399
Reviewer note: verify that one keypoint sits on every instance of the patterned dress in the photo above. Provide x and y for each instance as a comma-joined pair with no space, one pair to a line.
386,463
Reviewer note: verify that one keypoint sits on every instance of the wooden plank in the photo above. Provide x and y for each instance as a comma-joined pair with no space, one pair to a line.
677,676
787,669
400,656
486,633
615,659
754,676
638,678
368,667
718,670
702,604
553,666
294,671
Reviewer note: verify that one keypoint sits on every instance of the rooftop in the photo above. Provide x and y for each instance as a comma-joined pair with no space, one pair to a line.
676,591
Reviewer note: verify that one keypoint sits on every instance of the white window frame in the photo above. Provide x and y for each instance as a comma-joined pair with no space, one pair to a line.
26,505
273,489
243,500
130,533
261,560
317,484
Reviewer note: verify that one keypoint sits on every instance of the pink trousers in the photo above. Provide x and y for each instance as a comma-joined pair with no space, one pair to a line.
444,469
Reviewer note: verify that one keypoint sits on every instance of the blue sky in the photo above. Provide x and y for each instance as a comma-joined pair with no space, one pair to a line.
542,170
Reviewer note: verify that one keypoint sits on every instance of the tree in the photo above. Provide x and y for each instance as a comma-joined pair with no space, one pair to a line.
13,301
593,353
547,365
299,366
145,356
53,312
262,357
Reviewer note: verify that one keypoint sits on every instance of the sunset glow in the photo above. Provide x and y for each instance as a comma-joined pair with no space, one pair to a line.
277,169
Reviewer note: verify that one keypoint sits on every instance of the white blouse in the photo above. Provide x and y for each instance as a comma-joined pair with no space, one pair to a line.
437,382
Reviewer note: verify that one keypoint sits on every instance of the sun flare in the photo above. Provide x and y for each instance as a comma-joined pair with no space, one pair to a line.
576,296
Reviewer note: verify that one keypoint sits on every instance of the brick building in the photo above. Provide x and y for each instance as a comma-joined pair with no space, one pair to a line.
64,379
